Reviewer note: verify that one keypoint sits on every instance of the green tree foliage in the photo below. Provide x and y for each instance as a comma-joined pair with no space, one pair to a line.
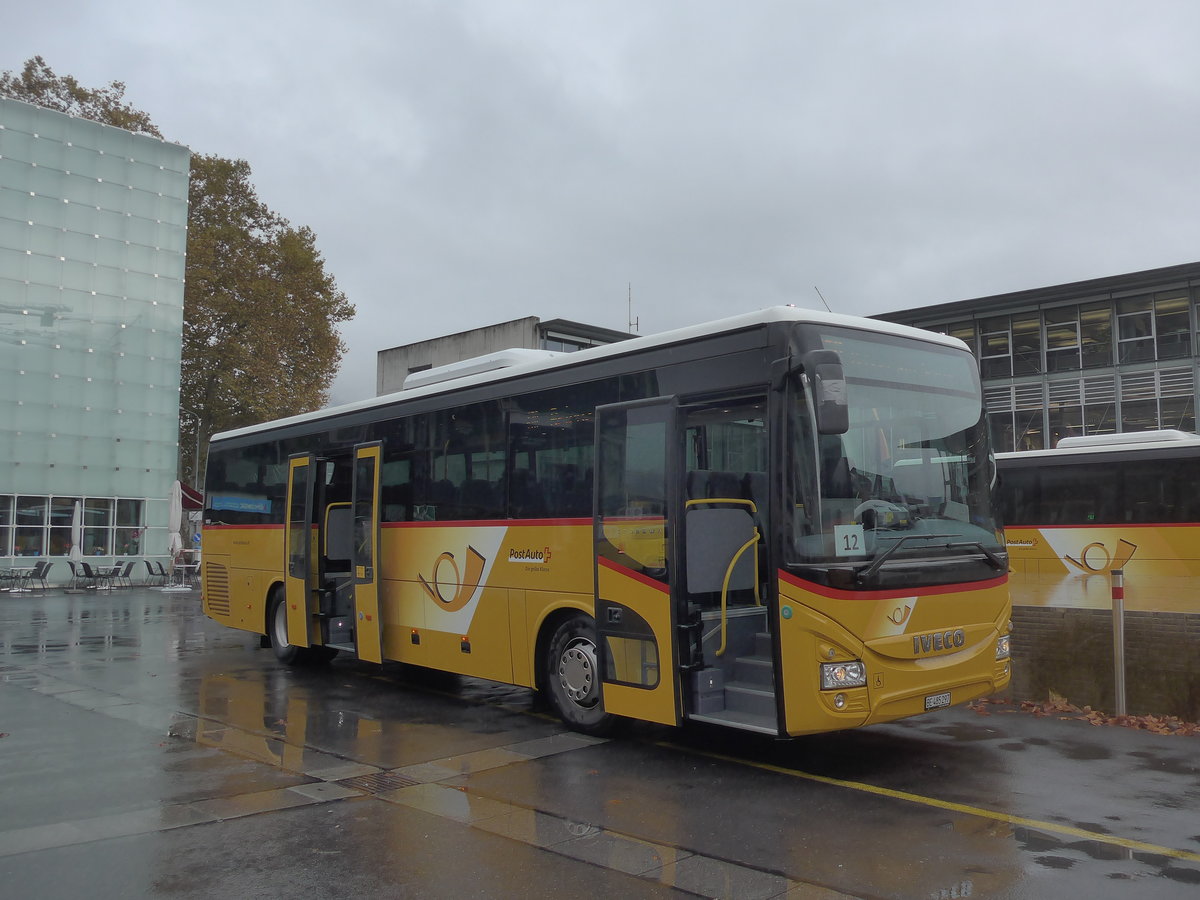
260,333
259,337
38,84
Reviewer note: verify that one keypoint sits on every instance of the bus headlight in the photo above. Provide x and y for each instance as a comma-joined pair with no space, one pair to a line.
835,676
1002,647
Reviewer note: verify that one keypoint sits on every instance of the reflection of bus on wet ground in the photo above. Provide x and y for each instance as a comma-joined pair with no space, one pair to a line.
1071,516
781,522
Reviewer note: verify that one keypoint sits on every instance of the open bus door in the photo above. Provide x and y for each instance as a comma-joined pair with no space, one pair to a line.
636,502
368,630
298,549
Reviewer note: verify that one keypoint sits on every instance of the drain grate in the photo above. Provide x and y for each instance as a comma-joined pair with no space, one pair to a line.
379,782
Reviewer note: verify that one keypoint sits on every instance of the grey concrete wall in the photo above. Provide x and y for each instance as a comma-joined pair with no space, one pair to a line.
394,364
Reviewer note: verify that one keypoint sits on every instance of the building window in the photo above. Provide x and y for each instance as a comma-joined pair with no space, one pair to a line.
1100,404
1135,329
1178,412
1064,413
1030,431
62,511
1173,333
1062,339
41,526
1139,402
30,536
6,523
1027,344
995,348
1016,417
1176,399
1095,332
965,332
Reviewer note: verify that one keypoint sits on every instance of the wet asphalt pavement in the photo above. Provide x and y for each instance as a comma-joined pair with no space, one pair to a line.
148,752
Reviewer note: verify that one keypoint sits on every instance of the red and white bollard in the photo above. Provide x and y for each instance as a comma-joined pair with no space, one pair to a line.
1118,617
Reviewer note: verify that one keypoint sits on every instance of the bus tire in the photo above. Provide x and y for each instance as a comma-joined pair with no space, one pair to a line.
290,654
572,676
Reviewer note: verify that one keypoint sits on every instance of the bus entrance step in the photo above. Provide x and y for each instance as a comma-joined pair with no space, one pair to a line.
754,670
743,720
346,648
750,698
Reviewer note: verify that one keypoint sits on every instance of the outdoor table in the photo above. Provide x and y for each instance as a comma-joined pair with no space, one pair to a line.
184,573
19,576
104,576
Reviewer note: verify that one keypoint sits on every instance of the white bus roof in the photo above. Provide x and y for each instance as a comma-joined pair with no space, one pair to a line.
487,373
1100,443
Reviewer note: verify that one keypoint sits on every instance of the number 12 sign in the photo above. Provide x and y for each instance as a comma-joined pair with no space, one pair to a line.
849,540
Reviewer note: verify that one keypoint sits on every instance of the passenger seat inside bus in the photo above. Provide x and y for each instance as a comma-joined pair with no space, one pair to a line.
339,540
715,534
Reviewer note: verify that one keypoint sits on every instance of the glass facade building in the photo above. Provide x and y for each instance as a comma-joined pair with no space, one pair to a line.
93,230
1104,356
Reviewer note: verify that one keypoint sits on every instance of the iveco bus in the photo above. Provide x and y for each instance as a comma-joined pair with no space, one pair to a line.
781,522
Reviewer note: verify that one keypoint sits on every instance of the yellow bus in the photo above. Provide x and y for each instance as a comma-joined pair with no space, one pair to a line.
780,522
1093,504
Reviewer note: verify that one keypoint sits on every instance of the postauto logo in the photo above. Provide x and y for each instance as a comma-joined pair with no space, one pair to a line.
528,555
1095,558
459,585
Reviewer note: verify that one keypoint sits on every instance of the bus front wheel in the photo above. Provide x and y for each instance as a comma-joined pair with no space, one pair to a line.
572,676
277,631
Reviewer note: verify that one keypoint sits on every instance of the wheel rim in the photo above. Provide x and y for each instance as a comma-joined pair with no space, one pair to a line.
577,673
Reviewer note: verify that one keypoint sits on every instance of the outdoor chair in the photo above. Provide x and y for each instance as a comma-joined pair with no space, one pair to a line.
39,573
91,578
153,576
121,578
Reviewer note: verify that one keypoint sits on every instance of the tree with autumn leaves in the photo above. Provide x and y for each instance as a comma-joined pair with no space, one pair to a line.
260,335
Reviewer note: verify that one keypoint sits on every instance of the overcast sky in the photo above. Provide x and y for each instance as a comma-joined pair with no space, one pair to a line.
466,163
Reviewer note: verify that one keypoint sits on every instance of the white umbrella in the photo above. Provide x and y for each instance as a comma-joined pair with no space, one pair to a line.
175,520
75,554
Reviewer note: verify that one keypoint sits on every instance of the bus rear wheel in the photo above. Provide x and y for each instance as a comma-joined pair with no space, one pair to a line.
572,676
277,632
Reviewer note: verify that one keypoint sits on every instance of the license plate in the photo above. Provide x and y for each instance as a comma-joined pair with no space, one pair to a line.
937,701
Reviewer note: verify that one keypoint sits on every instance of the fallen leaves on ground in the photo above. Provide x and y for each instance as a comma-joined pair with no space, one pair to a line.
1058,706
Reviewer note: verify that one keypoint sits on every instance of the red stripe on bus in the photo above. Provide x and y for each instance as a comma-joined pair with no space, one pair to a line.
630,573
837,594
487,523
1121,525
242,527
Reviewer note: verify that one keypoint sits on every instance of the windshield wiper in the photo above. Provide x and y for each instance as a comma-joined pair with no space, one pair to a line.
993,558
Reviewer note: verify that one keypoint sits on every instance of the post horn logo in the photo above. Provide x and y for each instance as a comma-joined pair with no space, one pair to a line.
900,615
1089,558
463,583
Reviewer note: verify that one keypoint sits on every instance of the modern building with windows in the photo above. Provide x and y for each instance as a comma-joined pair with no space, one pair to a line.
1106,355
530,333
93,229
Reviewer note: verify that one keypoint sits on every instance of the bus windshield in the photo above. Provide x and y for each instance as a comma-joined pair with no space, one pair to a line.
907,489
